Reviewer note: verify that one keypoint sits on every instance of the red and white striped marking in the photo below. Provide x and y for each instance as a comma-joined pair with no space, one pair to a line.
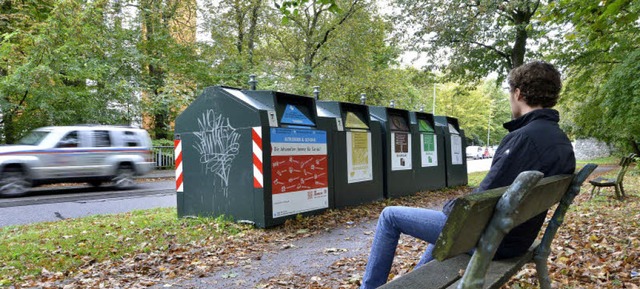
256,136
177,144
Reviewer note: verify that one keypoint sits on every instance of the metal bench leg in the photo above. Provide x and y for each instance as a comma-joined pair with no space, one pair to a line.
598,191
618,196
622,191
542,270
592,191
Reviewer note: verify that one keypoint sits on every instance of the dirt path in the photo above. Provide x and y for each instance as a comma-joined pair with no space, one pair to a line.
311,256
331,258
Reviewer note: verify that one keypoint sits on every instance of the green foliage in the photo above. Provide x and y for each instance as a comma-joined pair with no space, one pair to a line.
136,62
601,57
161,142
237,30
56,69
78,61
479,109
470,39
292,8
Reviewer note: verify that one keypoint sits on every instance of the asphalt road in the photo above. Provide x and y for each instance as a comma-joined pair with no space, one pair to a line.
478,165
56,203
61,202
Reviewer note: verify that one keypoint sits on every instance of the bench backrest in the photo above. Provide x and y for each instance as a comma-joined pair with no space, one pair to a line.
624,166
482,220
471,214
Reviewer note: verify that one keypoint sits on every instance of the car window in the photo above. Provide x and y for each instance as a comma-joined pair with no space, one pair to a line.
101,138
69,141
130,139
34,137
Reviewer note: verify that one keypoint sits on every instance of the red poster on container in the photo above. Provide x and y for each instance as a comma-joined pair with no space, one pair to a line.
299,171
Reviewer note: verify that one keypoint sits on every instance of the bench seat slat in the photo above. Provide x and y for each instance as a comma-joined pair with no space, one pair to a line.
446,274
501,271
434,274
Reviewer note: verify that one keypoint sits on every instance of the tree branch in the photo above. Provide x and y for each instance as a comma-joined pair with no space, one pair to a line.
489,47
15,109
325,38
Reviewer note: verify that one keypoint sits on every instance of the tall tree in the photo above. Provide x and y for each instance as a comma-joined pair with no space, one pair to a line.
171,68
87,61
470,39
18,25
236,29
305,36
360,58
156,17
54,67
598,48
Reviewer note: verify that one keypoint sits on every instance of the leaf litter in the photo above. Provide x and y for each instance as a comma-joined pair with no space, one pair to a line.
598,246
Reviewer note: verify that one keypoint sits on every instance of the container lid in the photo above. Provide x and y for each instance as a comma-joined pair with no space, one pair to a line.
354,121
424,126
293,115
398,123
452,129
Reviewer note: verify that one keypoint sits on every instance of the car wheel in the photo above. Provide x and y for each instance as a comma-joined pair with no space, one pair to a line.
124,177
13,183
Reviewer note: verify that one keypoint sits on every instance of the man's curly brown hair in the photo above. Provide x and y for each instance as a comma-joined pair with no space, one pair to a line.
539,83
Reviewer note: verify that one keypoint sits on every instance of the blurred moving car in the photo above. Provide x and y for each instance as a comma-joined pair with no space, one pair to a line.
84,153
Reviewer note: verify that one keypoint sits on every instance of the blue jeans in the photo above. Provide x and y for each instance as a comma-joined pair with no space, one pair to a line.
423,224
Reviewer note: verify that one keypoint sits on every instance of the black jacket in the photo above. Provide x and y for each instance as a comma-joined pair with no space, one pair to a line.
534,142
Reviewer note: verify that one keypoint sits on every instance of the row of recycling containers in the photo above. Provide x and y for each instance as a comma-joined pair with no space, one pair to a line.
264,156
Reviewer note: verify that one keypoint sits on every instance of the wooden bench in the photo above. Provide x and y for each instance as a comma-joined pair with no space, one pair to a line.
600,182
482,220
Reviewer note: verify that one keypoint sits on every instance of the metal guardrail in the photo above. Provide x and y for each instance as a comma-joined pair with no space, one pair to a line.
163,157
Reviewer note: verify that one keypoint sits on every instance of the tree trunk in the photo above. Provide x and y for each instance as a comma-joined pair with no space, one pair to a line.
635,147
161,115
520,44
240,26
9,129
253,22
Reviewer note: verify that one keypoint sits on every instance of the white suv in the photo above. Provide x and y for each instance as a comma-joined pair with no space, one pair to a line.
91,153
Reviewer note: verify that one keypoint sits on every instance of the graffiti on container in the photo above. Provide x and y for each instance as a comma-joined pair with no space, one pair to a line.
217,144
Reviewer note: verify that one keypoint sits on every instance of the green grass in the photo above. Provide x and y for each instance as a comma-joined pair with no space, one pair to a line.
612,160
476,178
64,245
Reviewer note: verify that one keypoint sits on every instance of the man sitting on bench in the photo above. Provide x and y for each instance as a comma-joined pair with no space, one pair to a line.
535,142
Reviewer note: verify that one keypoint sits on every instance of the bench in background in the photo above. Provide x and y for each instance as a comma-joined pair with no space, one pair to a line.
601,182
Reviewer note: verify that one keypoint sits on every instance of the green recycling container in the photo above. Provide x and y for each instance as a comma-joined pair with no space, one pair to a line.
429,162
399,174
454,144
355,153
253,156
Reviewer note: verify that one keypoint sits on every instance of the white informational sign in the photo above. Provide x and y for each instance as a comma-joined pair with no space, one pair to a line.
359,163
273,120
339,124
429,150
456,150
400,151
299,171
